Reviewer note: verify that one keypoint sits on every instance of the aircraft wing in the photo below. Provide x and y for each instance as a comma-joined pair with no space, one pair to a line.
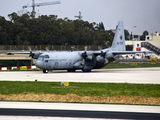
12,53
129,52
34,55
100,52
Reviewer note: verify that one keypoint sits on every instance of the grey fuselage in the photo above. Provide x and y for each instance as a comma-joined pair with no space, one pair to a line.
68,61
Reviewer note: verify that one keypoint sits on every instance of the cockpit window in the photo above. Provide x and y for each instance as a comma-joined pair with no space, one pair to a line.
41,58
46,56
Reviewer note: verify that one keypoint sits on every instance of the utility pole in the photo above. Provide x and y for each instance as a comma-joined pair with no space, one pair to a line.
33,9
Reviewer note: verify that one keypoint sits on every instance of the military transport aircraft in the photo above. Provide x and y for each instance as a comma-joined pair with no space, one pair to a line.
83,60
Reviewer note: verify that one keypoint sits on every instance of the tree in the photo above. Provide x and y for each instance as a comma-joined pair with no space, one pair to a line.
14,17
143,36
126,33
101,26
44,30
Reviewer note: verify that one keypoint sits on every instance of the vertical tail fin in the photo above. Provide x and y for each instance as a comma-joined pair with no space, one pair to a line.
118,43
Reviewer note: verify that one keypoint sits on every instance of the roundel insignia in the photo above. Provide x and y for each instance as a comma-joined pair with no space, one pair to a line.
121,37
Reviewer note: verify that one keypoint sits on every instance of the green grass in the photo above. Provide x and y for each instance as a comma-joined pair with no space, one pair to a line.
81,89
128,65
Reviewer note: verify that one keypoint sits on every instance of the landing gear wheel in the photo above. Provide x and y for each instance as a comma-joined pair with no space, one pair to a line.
86,70
45,71
73,70
68,70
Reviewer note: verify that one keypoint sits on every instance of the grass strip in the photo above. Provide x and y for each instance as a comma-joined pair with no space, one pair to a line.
80,89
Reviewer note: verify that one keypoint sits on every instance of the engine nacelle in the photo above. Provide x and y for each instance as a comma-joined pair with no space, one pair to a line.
109,55
78,65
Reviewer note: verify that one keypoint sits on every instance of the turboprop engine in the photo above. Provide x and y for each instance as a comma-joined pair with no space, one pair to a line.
109,55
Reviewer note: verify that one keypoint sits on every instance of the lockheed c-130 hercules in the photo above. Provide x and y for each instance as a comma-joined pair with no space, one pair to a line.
81,60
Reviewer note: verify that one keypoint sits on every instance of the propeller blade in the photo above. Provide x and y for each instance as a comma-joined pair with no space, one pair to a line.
103,54
31,54
85,48
47,49
99,47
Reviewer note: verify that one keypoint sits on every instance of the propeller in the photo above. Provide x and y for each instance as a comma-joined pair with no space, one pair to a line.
103,54
47,49
34,55
84,55
99,47
31,54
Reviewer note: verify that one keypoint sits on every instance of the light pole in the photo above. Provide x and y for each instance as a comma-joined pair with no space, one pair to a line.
133,37
132,32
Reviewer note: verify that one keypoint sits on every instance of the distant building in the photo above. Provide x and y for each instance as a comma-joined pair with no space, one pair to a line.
136,37
152,39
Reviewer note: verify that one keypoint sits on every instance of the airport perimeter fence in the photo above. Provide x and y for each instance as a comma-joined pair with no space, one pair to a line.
52,47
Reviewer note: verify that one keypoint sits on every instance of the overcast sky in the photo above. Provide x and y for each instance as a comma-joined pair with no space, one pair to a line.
144,14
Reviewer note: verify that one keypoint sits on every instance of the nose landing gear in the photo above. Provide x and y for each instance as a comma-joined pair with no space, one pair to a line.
45,71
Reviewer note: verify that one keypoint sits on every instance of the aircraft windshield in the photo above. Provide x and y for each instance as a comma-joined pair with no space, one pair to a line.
46,56
41,58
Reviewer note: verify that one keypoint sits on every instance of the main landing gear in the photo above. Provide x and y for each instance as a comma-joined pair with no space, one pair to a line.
72,70
86,70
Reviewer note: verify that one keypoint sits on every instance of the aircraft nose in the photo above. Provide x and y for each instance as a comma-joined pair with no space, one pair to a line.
38,64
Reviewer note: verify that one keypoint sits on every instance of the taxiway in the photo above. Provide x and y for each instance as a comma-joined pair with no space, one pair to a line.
128,75
77,111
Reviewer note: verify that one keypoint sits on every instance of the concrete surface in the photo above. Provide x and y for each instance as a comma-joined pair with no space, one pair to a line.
128,75
80,106
70,111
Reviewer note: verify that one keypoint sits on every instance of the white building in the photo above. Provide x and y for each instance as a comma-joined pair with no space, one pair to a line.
152,39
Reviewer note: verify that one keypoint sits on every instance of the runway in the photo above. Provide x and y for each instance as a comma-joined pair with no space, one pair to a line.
74,110
127,75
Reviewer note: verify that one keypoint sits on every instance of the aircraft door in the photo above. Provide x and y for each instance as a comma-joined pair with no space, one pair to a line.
55,65
46,62
70,63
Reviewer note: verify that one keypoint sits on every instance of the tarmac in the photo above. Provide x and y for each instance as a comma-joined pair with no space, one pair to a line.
76,111
127,75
